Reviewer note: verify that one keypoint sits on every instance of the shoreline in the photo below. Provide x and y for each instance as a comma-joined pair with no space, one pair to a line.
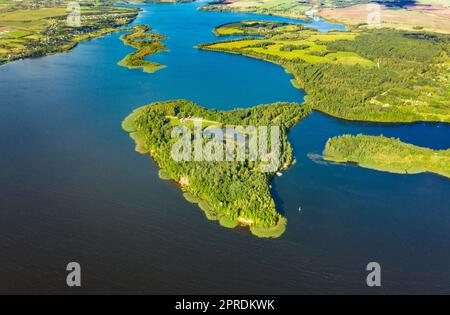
227,221
296,82
374,167
77,39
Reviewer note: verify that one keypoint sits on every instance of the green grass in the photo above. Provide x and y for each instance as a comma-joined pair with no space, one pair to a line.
26,16
15,34
146,44
139,139
40,31
387,154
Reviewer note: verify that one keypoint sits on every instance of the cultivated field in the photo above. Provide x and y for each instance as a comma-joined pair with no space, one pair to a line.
32,28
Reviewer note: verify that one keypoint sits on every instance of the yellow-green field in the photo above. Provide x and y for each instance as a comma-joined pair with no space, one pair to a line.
190,122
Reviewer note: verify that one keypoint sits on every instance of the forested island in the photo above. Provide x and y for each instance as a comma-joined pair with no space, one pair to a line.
146,44
426,15
38,28
298,9
374,75
233,192
387,154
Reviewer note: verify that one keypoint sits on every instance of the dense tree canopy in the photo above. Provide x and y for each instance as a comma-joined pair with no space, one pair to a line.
379,75
236,190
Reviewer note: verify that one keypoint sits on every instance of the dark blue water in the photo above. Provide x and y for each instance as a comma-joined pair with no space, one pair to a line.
73,189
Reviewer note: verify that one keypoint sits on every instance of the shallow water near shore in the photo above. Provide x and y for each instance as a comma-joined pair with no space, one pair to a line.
74,189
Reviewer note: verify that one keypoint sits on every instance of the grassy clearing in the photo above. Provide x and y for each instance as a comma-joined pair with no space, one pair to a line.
285,8
387,154
377,75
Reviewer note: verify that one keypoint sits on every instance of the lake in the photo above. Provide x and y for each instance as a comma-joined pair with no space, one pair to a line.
74,189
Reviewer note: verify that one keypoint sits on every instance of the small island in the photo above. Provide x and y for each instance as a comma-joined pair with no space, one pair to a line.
387,154
285,8
379,75
146,44
233,192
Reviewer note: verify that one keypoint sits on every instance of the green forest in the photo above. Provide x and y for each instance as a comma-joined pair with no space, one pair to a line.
232,192
146,44
378,75
387,154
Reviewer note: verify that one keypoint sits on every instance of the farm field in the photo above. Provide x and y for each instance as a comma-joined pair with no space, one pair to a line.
307,49
286,8
428,17
31,29
387,154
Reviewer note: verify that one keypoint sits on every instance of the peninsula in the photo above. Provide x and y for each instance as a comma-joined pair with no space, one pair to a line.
38,28
425,15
